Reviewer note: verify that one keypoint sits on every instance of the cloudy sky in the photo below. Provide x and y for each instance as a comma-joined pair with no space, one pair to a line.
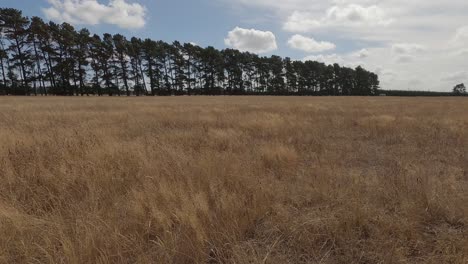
416,44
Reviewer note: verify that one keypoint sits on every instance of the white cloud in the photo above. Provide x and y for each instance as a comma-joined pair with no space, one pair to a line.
461,36
461,52
351,59
406,52
459,42
91,12
407,48
356,14
310,45
385,72
338,16
405,58
361,54
301,22
251,40
458,76
413,82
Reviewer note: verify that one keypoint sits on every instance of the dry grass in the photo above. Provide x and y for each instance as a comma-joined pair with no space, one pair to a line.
233,180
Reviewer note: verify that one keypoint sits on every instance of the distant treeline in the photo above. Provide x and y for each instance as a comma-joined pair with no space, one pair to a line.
418,93
48,58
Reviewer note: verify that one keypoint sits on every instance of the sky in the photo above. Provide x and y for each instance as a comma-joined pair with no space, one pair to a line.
410,44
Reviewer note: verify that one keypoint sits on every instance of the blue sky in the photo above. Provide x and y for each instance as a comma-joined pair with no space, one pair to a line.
411,45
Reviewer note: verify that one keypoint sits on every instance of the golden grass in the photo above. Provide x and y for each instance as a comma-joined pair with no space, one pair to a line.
233,180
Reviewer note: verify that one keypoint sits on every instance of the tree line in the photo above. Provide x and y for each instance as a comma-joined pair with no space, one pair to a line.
458,90
40,58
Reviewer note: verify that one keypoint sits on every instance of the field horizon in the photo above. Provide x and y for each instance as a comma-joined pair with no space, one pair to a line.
244,179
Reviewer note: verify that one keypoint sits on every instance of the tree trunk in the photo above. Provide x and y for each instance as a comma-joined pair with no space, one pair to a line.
124,74
3,72
142,76
23,69
38,63
150,73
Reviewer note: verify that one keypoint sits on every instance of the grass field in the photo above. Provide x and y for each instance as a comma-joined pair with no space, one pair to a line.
233,180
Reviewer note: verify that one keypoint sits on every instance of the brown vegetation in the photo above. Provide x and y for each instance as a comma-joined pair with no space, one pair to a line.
233,180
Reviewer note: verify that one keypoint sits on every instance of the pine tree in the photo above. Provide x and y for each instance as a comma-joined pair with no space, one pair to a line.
121,48
81,54
291,76
15,28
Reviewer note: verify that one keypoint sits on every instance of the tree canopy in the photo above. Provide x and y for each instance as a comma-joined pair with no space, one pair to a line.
38,57
459,89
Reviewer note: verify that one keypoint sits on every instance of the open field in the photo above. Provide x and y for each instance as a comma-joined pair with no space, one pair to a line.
233,180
